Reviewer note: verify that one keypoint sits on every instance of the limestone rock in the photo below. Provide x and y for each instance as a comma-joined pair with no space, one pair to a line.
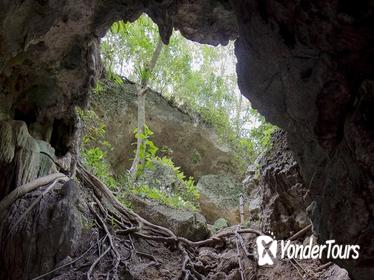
334,272
221,223
182,222
54,227
219,198
22,158
192,144
315,80
160,176
279,201
306,66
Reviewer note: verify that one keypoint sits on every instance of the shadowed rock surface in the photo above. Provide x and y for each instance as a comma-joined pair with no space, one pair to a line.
22,158
278,196
307,66
49,234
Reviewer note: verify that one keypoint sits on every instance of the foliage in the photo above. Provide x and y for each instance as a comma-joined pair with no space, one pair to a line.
188,191
186,195
174,201
148,149
94,151
200,78
95,160
261,134
95,147
219,224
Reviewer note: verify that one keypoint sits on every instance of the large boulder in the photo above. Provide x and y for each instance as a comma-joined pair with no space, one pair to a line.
219,198
51,233
183,223
278,194
192,144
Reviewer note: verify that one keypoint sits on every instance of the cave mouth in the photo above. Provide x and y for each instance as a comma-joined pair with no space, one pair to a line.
291,56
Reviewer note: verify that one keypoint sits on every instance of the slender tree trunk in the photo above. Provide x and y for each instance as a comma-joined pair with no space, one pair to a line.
241,208
238,112
142,91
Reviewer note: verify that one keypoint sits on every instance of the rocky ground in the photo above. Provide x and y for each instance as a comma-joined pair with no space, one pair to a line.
80,232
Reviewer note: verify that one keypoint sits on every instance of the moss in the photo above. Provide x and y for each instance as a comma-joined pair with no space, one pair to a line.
87,223
196,157
219,224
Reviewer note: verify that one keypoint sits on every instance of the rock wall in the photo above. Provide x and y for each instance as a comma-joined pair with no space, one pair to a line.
277,193
308,67
188,141
22,157
219,198
50,234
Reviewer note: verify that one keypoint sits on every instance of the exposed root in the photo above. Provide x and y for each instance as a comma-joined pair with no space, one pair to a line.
130,223
22,190
69,263
300,233
110,248
241,269
124,238
35,202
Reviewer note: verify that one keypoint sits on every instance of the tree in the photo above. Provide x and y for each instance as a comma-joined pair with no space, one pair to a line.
142,91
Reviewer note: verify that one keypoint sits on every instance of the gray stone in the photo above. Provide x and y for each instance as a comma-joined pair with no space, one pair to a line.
21,156
182,222
160,176
221,223
334,272
219,198
53,227
187,140
278,203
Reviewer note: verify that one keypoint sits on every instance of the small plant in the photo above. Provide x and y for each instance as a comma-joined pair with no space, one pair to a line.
189,191
185,195
148,150
95,160
155,194
95,148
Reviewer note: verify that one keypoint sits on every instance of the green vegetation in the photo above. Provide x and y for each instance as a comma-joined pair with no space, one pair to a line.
95,147
173,201
95,150
185,195
219,224
199,78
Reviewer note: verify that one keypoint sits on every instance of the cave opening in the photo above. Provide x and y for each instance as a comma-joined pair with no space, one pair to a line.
289,53
197,125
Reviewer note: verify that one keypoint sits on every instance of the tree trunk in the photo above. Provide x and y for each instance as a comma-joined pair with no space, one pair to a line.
141,107
238,112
